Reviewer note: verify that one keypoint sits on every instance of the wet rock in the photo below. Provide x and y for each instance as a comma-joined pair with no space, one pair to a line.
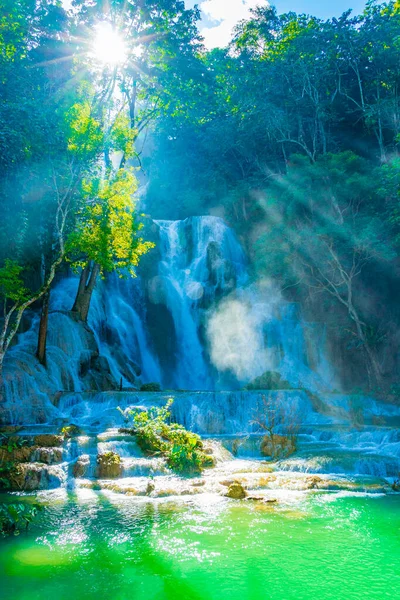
227,482
396,485
314,482
150,488
81,466
236,491
8,429
270,380
48,440
22,455
150,387
262,499
30,477
49,456
277,446
109,465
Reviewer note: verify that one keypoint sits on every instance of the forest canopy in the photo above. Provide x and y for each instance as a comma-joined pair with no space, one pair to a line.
291,134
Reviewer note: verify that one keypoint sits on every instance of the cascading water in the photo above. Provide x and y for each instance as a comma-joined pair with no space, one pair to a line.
200,259
191,320
221,334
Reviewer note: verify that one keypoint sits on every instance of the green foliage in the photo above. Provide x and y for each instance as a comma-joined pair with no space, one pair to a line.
86,137
109,459
150,387
106,227
70,431
270,380
11,283
156,435
17,516
8,469
10,442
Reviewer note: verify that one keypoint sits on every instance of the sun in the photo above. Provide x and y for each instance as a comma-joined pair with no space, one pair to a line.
108,47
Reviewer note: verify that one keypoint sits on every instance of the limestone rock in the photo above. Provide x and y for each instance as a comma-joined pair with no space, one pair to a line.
22,455
49,456
236,491
81,466
109,465
30,477
48,440
314,482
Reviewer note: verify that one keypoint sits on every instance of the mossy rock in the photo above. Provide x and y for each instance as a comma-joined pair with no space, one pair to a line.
48,440
109,465
277,446
270,380
236,491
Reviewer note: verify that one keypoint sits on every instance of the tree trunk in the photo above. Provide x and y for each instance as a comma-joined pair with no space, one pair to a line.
2,395
43,326
87,283
371,358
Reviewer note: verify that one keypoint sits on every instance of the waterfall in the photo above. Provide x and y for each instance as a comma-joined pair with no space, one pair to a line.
200,258
190,320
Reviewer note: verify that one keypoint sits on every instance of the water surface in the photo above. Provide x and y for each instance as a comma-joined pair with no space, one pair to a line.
105,546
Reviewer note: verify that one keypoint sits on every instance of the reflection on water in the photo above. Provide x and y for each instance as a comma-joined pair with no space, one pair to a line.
104,545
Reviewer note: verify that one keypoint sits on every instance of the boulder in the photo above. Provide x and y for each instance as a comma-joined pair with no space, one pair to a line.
270,380
236,491
277,446
314,482
26,477
109,465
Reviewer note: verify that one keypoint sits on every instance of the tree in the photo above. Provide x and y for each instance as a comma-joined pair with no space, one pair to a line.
105,236
327,218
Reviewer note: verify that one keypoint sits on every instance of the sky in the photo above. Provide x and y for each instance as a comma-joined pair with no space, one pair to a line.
220,16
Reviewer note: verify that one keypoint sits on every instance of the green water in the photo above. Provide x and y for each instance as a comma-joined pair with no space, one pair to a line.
112,547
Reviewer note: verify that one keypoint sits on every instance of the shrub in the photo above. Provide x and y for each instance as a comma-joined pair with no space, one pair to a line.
270,380
70,430
150,387
156,435
14,517
10,442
